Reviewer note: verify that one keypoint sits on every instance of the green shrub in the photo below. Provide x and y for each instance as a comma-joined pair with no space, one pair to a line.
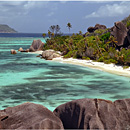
105,36
128,24
125,67
101,59
85,58
107,62
99,31
70,54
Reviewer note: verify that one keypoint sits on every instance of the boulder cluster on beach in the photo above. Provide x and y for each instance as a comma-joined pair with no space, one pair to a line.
77,114
38,45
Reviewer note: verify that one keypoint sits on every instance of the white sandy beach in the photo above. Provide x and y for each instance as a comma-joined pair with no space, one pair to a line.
111,68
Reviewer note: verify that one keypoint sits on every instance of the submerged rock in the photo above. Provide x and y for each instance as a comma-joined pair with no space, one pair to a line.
95,114
27,50
50,54
29,116
37,45
13,51
20,49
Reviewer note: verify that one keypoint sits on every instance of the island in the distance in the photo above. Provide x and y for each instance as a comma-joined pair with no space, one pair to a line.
6,29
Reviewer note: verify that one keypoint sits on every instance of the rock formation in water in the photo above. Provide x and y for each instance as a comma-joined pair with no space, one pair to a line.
37,45
13,51
29,116
95,114
20,49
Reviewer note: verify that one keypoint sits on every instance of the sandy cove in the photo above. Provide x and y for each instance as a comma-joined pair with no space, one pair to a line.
111,68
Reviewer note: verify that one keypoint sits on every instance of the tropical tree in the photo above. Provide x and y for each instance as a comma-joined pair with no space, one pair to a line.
44,35
49,33
80,32
57,29
52,34
69,26
52,28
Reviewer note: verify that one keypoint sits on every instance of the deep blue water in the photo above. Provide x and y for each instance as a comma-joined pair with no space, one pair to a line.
27,78
13,35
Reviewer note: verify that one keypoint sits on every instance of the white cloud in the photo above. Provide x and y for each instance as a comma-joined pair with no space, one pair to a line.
16,8
50,14
111,10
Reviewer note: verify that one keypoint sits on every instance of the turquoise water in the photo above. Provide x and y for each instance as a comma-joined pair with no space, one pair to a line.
27,78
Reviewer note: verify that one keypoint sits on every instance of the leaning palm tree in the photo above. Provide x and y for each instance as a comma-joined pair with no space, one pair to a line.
69,26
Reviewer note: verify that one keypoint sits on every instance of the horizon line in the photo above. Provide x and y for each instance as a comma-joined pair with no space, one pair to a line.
67,0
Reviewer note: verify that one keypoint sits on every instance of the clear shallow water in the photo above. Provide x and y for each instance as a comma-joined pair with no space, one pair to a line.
26,78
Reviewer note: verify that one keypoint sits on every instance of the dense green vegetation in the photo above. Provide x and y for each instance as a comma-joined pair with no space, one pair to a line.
6,29
98,46
126,21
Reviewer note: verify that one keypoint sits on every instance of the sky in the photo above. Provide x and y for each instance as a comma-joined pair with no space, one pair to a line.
38,16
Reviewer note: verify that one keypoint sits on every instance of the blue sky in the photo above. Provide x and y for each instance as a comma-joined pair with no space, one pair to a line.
37,17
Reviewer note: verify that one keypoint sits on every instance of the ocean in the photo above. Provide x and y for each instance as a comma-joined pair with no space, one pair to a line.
27,78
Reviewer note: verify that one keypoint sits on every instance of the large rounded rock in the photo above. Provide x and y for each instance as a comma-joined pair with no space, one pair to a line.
99,26
95,114
13,51
119,31
37,45
29,116
91,29
50,54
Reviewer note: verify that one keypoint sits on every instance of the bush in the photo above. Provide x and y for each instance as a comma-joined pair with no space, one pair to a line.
101,59
128,24
105,36
100,31
100,47
86,58
70,54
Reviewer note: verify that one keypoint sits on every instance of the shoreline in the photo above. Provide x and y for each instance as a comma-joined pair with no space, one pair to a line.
110,68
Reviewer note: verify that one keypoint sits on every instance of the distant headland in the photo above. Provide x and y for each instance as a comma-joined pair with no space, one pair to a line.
6,29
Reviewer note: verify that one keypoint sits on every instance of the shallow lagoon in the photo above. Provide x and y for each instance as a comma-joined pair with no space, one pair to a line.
26,78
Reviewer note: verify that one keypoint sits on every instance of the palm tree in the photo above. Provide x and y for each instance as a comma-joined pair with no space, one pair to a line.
52,34
69,26
80,32
44,35
57,29
52,28
49,33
